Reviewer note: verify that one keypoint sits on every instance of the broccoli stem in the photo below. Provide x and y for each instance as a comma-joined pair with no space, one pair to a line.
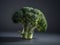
27,32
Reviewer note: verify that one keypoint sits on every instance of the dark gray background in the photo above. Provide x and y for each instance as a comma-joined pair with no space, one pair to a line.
50,8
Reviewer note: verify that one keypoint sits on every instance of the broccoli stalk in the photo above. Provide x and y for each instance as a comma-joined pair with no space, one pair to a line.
31,19
27,31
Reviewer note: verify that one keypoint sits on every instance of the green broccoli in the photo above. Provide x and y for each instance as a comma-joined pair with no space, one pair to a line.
31,19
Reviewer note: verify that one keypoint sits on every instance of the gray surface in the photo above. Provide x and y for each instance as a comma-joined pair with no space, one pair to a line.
10,38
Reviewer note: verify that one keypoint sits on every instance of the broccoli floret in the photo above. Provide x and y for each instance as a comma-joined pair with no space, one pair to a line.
31,19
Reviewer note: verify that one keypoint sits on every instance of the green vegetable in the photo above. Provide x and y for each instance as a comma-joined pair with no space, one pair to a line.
31,19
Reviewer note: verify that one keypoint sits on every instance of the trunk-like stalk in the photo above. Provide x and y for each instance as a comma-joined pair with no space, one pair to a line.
27,32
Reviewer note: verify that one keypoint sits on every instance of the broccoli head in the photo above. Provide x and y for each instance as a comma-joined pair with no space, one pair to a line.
31,19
